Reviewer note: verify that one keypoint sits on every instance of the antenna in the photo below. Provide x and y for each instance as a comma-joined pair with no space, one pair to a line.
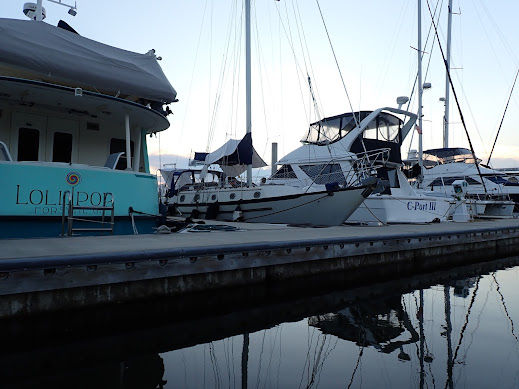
36,11
401,101
31,11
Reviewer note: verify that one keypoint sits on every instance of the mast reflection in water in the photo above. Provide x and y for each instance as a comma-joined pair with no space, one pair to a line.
448,329
459,334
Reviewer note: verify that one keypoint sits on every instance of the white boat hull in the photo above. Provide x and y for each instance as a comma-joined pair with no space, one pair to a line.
271,204
391,209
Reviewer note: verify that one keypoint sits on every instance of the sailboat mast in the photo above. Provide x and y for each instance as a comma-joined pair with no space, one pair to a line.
248,124
420,92
39,11
447,86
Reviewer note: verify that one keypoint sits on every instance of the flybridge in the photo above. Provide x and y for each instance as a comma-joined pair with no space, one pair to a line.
58,56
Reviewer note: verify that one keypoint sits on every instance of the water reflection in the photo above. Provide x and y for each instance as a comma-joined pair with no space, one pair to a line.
445,329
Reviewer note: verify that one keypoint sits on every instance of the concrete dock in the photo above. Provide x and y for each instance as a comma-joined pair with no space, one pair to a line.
41,275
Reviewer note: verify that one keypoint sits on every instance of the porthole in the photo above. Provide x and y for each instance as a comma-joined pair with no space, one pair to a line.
232,196
257,195
182,198
213,197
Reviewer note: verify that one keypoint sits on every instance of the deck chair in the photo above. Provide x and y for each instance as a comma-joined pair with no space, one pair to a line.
112,160
4,152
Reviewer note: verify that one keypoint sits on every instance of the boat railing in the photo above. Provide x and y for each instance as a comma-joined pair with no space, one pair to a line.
493,192
367,163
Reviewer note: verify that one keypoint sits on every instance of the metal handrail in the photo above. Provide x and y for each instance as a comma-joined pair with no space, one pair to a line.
71,218
67,192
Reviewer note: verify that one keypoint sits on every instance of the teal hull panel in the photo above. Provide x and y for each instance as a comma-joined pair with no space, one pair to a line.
31,198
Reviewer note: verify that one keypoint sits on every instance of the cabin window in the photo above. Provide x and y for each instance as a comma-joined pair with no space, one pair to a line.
28,144
324,174
501,180
62,147
445,181
118,146
284,172
385,128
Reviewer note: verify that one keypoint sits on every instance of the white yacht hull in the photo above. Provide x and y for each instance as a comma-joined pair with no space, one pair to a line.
272,204
388,209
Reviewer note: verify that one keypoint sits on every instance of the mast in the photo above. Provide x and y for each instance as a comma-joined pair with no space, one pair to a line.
447,86
448,325
420,93
422,337
245,361
39,11
248,124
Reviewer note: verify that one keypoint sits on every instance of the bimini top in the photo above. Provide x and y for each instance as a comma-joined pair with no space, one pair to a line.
39,51
442,156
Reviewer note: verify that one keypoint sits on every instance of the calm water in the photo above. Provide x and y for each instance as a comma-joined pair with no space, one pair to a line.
450,329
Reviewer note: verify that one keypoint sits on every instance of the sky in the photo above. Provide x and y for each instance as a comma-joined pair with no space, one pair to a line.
358,55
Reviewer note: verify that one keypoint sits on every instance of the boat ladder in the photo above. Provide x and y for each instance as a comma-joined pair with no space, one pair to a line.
68,217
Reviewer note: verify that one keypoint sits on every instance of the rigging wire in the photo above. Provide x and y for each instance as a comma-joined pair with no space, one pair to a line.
499,33
232,40
258,378
288,33
192,77
456,99
309,343
438,7
357,120
400,21
216,367
503,117
462,332
498,289
362,342
302,38
271,355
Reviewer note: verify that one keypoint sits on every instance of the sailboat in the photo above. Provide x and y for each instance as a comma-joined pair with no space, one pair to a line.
488,192
318,202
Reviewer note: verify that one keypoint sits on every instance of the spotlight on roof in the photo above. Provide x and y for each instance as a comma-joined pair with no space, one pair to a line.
72,12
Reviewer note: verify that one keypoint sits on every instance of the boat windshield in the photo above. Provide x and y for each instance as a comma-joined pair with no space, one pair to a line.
329,130
436,157
498,179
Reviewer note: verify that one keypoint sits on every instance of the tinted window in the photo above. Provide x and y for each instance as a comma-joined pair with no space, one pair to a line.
449,180
62,147
497,179
28,144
